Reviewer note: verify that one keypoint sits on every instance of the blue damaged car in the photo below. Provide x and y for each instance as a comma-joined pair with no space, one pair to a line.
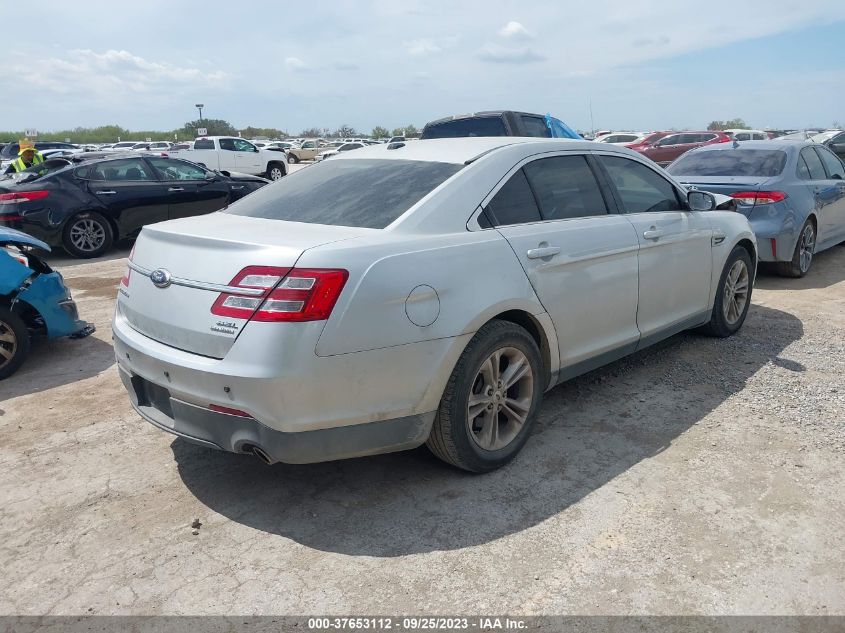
34,300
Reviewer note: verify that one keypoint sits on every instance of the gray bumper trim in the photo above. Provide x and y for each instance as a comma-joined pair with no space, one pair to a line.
236,434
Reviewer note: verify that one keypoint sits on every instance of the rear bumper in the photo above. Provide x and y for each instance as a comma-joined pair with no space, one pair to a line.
783,232
239,434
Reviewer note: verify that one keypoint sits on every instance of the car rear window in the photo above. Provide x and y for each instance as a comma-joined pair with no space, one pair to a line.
460,128
763,163
363,193
204,143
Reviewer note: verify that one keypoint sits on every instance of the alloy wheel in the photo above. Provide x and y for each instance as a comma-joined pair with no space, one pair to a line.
807,247
8,344
276,173
87,235
500,399
736,290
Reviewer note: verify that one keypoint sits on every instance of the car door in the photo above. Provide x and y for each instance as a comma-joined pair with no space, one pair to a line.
825,194
675,256
665,149
228,154
189,192
833,194
580,259
247,157
129,191
837,145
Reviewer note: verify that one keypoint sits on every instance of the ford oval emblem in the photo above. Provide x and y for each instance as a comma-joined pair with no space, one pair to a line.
161,278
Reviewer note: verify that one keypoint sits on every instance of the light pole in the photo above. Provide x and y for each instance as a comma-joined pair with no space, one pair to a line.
199,107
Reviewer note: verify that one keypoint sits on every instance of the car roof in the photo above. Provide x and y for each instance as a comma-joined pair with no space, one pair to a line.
758,145
459,150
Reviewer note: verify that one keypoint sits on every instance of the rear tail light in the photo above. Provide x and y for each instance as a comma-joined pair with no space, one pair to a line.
10,217
124,281
750,198
289,294
18,197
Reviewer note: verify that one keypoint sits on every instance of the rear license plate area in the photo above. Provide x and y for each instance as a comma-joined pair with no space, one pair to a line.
152,395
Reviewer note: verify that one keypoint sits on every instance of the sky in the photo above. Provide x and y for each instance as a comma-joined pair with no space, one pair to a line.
602,64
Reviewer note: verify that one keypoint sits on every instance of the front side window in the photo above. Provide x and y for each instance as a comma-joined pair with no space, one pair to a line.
835,169
128,169
514,203
812,169
565,188
641,189
172,169
244,146
674,139
359,193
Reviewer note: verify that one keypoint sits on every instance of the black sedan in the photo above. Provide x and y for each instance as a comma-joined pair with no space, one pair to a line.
85,203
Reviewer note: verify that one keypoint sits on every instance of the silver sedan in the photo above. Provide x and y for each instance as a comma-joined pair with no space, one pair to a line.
421,292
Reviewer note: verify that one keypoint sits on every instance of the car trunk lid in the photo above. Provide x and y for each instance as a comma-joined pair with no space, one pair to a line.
194,260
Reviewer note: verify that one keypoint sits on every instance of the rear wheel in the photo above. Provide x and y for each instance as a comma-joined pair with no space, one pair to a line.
14,343
491,400
802,257
87,235
275,171
733,295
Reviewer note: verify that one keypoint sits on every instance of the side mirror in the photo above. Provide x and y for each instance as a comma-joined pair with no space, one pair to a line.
701,201
210,175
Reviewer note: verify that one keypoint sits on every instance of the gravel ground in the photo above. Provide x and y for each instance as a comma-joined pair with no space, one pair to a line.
698,477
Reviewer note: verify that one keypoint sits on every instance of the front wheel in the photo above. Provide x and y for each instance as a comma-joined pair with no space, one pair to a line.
292,159
491,400
87,235
275,172
14,343
802,257
733,295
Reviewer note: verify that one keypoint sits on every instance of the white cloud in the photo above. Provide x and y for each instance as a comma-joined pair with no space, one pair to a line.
108,74
515,31
294,64
421,47
507,55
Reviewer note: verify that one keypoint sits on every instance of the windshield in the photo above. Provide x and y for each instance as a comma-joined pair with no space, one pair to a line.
367,193
735,162
824,136
36,171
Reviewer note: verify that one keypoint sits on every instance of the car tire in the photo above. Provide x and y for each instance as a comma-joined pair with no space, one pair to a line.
87,235
292,159
14,342
733,295
276,171
802,257
492,436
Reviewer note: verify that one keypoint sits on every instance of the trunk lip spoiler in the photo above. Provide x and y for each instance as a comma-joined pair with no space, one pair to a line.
201,285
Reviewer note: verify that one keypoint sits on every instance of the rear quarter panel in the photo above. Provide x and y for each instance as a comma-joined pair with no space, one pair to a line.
463,280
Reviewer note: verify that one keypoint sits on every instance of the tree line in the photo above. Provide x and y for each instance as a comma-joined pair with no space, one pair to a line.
214,127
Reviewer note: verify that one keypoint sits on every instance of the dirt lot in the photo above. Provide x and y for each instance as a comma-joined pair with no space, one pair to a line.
703,476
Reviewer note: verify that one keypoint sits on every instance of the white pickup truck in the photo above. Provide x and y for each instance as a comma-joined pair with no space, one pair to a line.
232,154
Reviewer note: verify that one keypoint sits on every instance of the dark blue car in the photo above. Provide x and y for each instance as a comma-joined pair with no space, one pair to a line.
34,300
793,193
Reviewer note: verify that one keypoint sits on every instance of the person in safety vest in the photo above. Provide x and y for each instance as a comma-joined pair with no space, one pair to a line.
27,157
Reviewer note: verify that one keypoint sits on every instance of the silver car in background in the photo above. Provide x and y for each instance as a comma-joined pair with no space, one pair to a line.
424,292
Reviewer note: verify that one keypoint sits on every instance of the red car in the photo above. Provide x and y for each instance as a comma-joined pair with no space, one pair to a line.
669,145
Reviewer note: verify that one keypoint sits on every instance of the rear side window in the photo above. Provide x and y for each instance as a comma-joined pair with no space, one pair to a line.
130,169
833,165
459,128
360,193
565,188
535,126
689,138
204,143
514,203
811,167
731,162
642,190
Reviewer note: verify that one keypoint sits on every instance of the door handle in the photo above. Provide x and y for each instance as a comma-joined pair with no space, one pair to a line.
544,251
175,189
105,193
653,234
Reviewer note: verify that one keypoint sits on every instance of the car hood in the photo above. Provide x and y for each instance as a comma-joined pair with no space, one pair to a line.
11,236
